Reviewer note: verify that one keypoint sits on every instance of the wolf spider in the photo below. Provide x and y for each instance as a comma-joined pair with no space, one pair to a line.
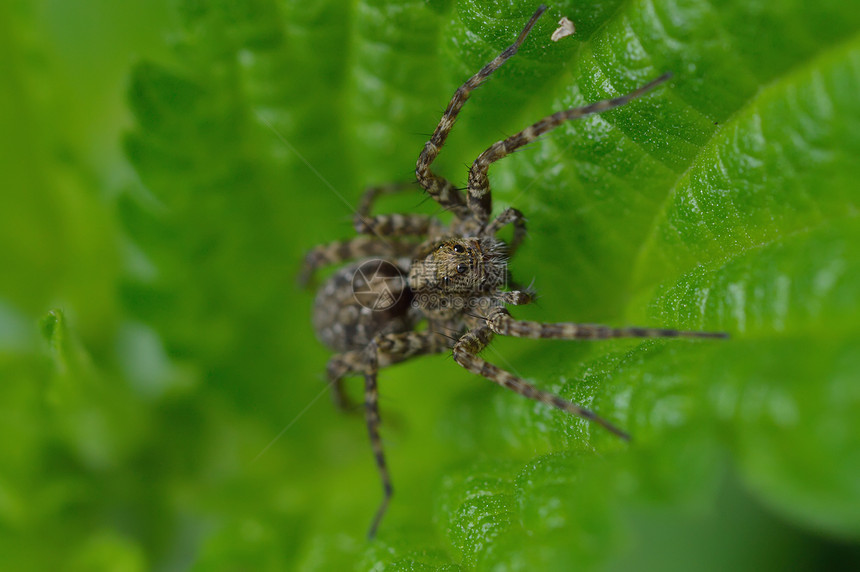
453,280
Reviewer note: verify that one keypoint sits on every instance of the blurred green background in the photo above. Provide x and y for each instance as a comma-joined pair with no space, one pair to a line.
165,165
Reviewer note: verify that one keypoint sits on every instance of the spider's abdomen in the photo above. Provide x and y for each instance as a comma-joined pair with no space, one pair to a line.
361,301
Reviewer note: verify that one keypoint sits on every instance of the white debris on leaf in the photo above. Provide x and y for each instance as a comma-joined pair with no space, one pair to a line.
565,28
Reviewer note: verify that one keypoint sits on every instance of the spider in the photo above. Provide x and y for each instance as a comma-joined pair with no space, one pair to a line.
454,280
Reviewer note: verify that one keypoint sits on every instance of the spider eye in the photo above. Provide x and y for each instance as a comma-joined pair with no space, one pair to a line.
445,279
458,248
461,268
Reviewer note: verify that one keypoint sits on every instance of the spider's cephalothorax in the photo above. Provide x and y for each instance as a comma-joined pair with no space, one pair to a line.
413,269
465,266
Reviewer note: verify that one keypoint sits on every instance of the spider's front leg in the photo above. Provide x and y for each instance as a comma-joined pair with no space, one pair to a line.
479,184
440,189
383,350
501,322
466,352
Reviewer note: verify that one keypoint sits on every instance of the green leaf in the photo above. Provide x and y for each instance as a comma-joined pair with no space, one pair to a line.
725,200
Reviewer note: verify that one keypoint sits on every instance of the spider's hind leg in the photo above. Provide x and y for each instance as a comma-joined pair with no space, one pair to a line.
386,349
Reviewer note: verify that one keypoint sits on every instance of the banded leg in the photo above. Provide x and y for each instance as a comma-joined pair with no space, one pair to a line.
371,414
344,250
365,205
395,224
466,352
506,217
389,224
386,349
501,322
437,187
393,350
479,185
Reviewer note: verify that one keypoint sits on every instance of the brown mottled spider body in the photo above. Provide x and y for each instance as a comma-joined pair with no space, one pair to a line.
412,269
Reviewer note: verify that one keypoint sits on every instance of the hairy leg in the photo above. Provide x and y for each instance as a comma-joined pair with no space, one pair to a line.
386,349
437,187
466,352
479,185
501,322
395,224
389,224
371,194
